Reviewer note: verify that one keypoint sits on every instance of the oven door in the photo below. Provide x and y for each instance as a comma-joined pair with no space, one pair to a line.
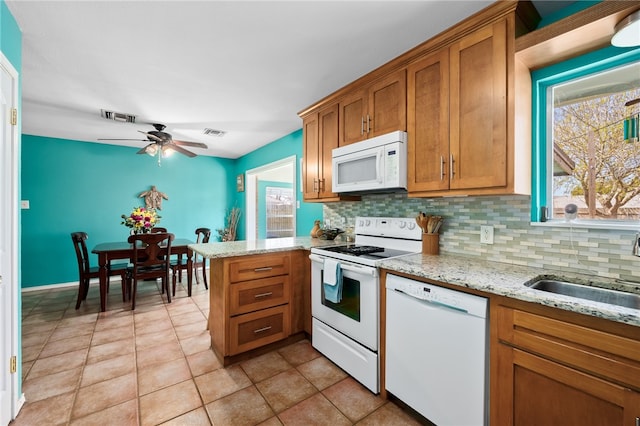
356,315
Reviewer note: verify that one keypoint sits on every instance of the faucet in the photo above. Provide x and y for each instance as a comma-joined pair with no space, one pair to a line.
636,245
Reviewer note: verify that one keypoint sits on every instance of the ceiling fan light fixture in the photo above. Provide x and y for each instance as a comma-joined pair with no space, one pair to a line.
627,31
167,151
151,150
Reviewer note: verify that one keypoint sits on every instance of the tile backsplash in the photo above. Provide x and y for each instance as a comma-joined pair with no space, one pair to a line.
600,252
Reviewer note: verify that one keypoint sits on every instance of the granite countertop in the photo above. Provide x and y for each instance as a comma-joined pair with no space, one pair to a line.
245,248
491,277
508,280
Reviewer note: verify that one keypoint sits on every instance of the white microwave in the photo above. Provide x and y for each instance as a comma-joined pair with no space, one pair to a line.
374,165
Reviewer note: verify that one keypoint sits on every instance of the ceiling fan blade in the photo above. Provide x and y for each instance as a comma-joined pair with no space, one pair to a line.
193,144
118,139
150,136
144,150
181,150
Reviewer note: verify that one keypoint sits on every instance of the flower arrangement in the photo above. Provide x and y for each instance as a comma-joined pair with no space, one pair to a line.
141,220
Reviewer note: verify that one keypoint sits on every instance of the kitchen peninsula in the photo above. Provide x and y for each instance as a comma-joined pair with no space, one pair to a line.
259,295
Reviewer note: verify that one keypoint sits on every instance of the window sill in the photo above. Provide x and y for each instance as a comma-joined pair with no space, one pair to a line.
590,224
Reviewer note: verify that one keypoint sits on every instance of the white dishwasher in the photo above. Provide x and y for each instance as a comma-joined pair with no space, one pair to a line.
437,352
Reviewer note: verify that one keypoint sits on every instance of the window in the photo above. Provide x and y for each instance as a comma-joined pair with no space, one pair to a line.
585,143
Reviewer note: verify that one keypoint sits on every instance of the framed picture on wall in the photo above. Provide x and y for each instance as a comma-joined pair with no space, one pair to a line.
240,182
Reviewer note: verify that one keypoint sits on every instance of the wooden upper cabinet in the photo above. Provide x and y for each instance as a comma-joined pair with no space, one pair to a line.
375,110
353,114
328,140
388,104
320,136
478,109
310,151
458,118
428,123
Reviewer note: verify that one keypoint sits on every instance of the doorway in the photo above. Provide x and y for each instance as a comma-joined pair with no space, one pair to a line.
271,200
9,385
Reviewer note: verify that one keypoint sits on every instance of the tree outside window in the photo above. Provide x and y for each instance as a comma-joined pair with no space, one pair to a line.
596,162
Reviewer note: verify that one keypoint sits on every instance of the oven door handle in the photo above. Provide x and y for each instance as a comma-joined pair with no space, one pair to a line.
364,270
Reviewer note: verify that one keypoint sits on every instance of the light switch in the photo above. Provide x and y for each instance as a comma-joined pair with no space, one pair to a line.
24,204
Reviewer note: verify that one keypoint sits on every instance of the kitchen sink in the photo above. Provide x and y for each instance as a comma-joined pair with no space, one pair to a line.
582,291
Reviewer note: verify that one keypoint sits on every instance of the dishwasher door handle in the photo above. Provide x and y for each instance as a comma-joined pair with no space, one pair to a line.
432,303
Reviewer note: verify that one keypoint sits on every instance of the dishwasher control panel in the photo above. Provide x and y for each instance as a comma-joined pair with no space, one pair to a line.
465,302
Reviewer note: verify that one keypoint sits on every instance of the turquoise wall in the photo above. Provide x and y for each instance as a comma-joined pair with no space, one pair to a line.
284,147
10,37
80,186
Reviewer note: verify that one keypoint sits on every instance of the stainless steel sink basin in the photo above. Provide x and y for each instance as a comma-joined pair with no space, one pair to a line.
597,294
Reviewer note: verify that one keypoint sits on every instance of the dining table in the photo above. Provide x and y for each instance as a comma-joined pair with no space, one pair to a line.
118,250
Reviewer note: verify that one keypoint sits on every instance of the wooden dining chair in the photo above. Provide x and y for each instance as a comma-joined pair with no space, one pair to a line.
150,259
203,235
177,264
158,230
87,272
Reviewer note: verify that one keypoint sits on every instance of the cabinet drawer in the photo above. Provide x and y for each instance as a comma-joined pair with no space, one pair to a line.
254,267
256,329
250,296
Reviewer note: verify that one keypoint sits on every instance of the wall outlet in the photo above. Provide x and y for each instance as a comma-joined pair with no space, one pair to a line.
486,234
24,204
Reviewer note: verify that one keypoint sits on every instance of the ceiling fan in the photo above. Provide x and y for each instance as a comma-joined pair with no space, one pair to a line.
162,143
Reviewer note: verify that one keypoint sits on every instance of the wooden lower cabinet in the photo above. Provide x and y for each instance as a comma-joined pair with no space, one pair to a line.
256,329
256,302
549,371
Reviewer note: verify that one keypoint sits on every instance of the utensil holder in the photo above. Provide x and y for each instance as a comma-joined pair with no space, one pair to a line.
430,243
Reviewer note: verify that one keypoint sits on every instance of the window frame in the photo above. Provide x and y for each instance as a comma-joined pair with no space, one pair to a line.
541,81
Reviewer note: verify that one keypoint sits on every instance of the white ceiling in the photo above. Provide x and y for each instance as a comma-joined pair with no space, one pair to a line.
243,67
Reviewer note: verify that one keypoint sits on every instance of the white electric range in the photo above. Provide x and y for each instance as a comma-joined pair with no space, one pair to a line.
346,331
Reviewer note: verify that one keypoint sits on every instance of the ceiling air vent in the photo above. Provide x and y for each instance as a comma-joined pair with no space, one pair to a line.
118,116
214,132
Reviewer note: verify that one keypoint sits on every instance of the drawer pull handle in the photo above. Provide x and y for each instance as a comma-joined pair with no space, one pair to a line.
265,269
260,330
257,296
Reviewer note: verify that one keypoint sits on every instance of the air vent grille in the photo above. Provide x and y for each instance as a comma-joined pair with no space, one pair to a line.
214,132
117,116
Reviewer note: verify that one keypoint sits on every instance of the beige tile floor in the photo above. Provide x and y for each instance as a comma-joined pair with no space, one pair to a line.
154,366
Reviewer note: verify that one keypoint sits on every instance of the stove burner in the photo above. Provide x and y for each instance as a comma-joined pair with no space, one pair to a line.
360,250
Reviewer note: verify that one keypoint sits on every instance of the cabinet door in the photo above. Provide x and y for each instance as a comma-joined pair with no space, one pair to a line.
387,110
353,110
328,140
542,392
310,172
478,102
428,123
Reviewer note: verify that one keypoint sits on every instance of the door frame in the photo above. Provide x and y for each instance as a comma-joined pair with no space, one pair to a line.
11,302
251,181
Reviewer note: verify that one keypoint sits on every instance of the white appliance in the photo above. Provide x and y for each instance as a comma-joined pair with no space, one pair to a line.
374,165
346,332
437,351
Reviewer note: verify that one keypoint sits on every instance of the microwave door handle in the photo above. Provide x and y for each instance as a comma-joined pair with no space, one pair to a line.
380,166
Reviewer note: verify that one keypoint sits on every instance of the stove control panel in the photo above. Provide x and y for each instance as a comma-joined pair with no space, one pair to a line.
394,227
